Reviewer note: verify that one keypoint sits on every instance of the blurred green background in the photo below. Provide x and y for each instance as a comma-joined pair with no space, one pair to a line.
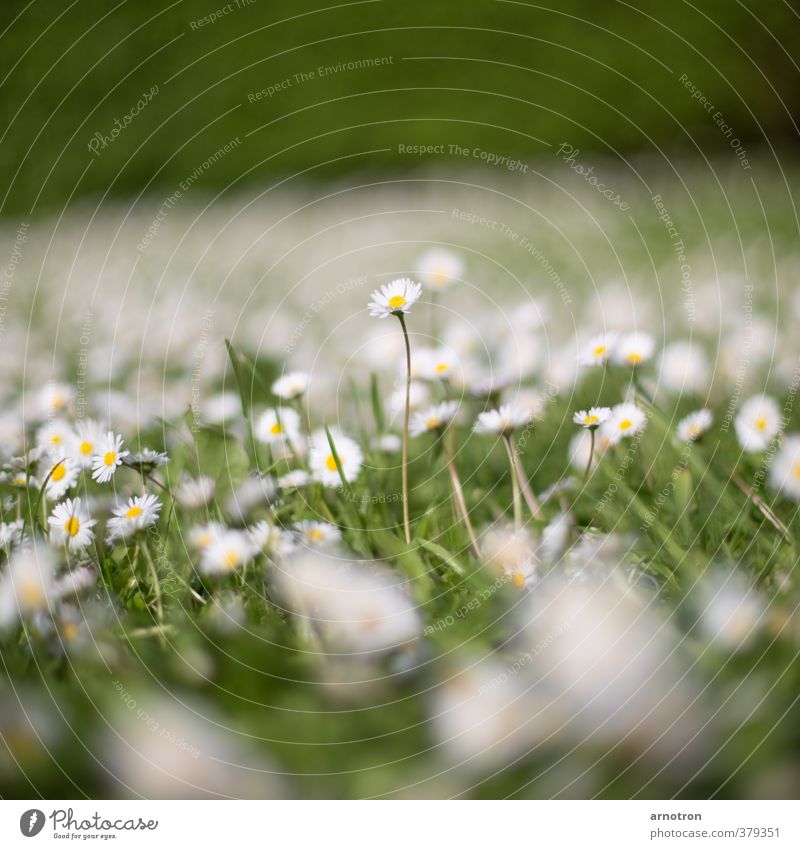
509,77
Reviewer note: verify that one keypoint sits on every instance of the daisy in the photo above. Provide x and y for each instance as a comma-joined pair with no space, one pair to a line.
55,398
433,420
395,298
11,533
758,422
438,364
295,479
438,268
277,426
60,477
109,455
27,583
291,385
274,541
503,421
55,439
388,443
625,420
75,582
202,536
85,440
195,492
322,462
784,473
683,367
693,426
592,418
147,458
229,551
140,512
633,349
71,525
512,553
598,349
318,534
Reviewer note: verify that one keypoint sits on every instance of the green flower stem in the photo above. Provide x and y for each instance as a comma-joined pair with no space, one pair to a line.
591,455
458,494
516,496
406,415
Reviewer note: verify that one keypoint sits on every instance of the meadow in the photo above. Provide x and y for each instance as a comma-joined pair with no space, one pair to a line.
256,546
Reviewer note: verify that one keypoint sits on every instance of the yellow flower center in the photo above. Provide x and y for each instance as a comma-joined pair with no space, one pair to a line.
58,472
57,403
231,559
133,512
397,301
204,540
72,526
276,428
439,275
69,630
86,448
590,420
694,430
519,580
31,594
55,439
599,350
110,458
761,423
634,358
315,534
796,470
441,367
330,463
432,423
625,424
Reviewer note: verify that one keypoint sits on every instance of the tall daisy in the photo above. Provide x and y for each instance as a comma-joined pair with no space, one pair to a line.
633,349
396,299
598,349
60,477
693,426
71,525
227,552
108,457
625,420
88,434
758,422
291,385
275,426
591,420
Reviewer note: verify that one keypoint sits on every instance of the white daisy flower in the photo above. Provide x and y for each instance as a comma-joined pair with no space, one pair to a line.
75,582
433,419
295,479
195,492
317,534
55,398
437,364
23,480
503,421
684,367
11,533
784,473
55,438
633,349
598,349
229,550
277,426
758,422
323,464
147,457
271,540
388,443
85,440
395,298
511,553
291,385
625,420
202,536
438,268
694,425
140,512
26,585
592,418
71,525
108,457
61,477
